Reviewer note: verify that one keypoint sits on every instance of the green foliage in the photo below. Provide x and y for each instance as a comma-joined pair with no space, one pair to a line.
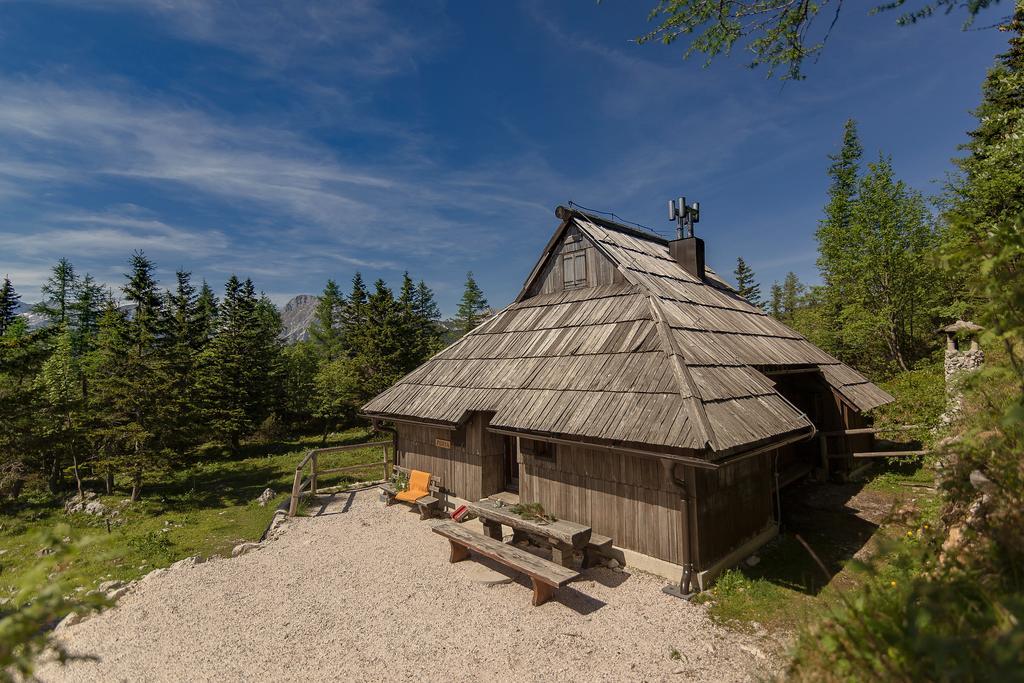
746,283
781,34
883,293
915,621
337,392
534,511
920,396
472,307
153,544
40,603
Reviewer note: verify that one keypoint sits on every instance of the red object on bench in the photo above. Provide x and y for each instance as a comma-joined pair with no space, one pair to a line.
459,513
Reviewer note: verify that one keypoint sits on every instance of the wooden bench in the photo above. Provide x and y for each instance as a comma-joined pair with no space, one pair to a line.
546,576
428,506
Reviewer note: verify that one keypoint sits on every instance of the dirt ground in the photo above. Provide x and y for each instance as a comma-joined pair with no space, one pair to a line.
365,592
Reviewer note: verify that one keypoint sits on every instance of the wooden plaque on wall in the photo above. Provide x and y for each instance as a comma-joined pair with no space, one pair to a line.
442,443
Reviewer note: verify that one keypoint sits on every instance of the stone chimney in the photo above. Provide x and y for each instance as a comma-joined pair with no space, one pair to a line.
959,363
689,253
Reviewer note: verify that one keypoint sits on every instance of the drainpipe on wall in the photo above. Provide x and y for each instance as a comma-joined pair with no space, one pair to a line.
682,589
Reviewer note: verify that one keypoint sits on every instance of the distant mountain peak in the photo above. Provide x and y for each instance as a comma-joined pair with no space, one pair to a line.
297,316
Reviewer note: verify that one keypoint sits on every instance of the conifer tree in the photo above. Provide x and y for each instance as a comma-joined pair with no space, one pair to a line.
268,368
792,294
23,443
129,384
353,316
9,300
87,309
775,303
206,314
58,294
226,384
183,336
63,418
428,317
380,343
835,234
746,284
326,329
472,307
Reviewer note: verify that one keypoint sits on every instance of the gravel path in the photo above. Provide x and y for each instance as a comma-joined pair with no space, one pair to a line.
365,592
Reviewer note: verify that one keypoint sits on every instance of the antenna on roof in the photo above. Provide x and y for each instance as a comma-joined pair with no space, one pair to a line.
684,216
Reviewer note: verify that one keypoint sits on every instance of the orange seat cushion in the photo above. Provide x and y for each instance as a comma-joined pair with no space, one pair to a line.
419,483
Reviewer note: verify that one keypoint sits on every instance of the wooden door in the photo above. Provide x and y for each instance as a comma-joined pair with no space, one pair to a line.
511,465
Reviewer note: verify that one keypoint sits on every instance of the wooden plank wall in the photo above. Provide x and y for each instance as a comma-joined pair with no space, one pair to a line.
471,471
619,495
600,271
734,504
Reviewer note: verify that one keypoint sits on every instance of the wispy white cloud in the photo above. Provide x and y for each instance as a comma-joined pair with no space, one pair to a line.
360,37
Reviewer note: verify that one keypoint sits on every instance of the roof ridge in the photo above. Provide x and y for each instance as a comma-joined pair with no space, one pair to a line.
681,371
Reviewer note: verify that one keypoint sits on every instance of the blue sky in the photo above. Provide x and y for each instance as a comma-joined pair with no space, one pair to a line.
292,142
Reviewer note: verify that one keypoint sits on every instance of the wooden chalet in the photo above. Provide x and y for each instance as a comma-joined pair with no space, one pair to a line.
629,388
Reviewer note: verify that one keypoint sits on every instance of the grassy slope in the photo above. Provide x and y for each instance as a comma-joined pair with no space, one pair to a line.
204,508
786,588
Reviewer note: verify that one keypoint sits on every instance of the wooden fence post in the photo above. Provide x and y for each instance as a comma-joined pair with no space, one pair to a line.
312,475
387,470
294,507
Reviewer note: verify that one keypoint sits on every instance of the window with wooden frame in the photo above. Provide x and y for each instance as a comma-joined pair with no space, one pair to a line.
542,450
574,270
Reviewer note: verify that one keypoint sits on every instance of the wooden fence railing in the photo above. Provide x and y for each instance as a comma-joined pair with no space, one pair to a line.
301,483
824,450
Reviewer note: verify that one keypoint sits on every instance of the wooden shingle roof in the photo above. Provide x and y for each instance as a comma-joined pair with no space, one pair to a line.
663,360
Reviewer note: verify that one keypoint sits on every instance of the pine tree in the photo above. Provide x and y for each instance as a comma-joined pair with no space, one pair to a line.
141,291
87,309
268,364
206,314
775,304
183,336
430,334
792,294
129,387
8,305
381,348
353,316
225,382
326,329
472,307
835,235
242,371
58,292
63,419
24,446
746,284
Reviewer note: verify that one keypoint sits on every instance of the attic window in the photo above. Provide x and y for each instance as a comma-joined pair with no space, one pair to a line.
574,270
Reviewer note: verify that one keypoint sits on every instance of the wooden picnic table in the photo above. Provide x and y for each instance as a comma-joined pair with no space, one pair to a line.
563,536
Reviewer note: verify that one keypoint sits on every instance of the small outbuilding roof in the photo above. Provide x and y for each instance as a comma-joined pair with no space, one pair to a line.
663,361
961,326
